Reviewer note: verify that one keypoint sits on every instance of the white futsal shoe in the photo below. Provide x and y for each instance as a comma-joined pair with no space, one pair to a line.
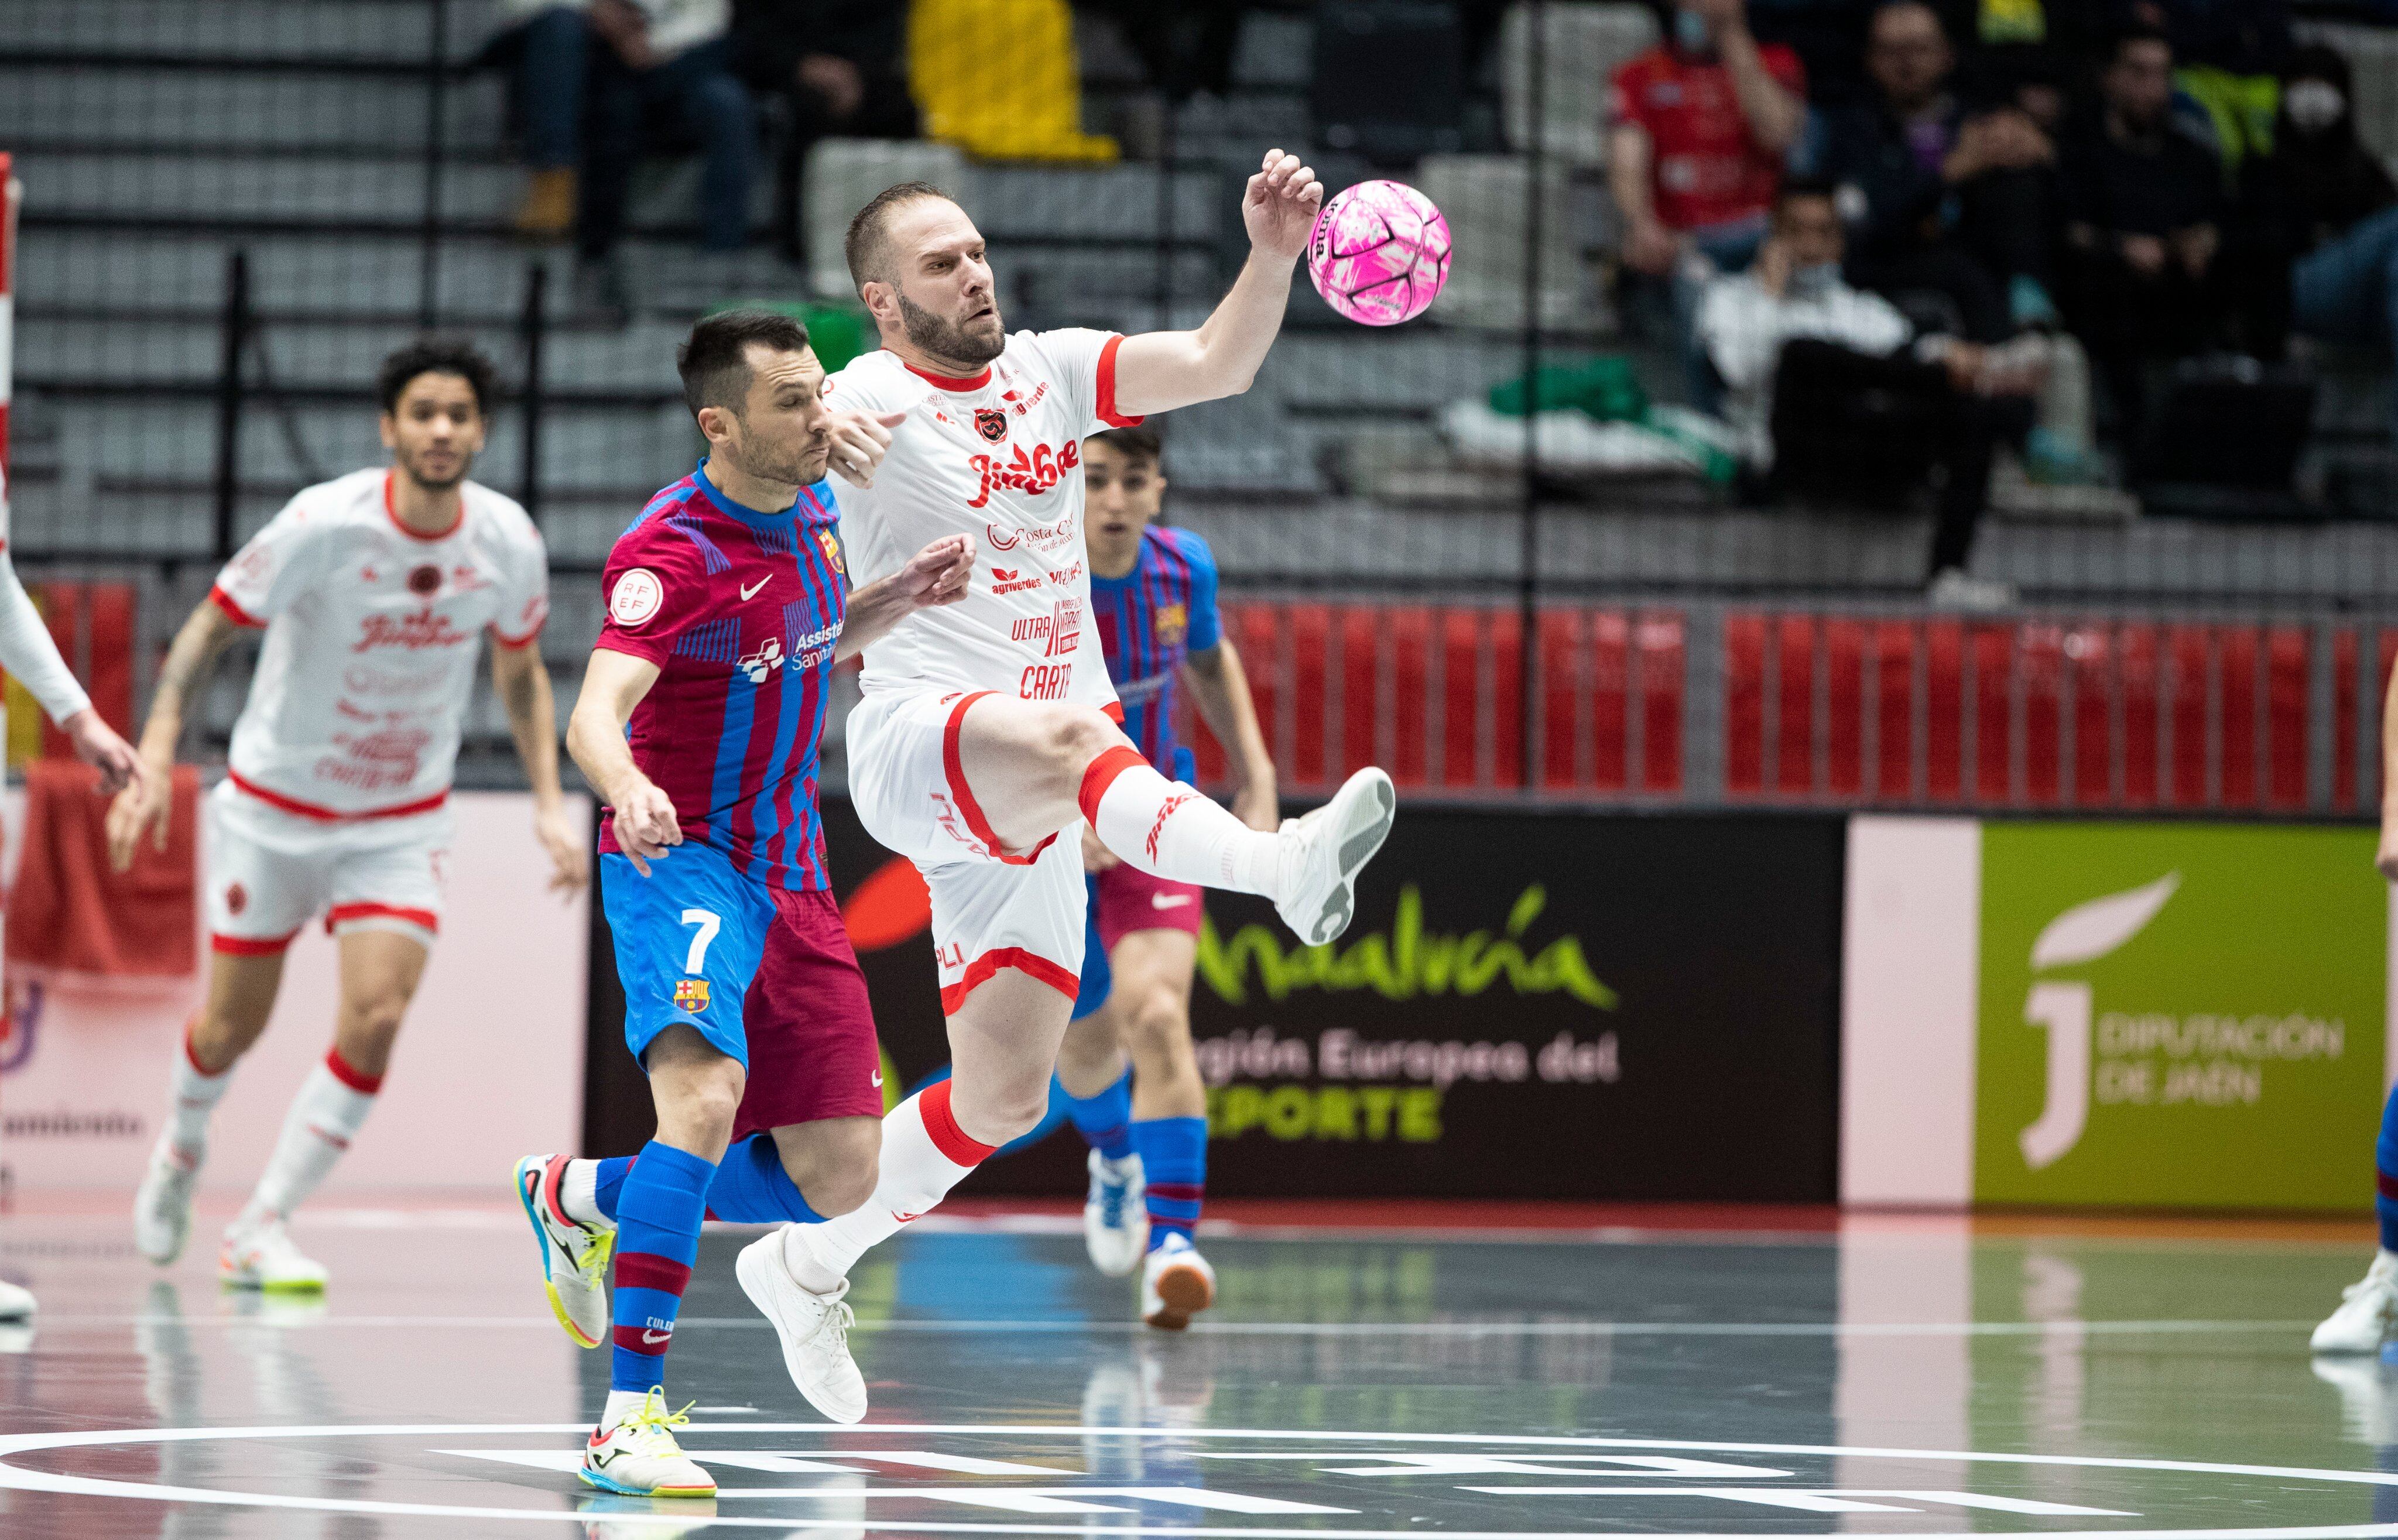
2365,1312
637,1456
162,1205
16,1305
573,1256
1115,1217
814,1329
1324,851
261,1255
1176,1283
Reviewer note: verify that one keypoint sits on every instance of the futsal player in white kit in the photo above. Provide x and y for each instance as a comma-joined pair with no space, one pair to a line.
374,591
988,733
31,657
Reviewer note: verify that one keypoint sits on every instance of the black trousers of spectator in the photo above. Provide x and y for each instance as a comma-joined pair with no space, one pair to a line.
697,92
886,111
1855,428
2128,320
2002,233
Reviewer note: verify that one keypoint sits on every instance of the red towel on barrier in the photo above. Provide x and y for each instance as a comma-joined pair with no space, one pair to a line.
74,922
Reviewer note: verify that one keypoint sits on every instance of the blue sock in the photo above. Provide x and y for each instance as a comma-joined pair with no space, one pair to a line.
2385,1174
751,1187
1105,1120
609,1184
658,1216
1174,1164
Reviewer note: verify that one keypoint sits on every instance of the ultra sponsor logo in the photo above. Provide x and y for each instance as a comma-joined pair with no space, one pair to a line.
1054,1481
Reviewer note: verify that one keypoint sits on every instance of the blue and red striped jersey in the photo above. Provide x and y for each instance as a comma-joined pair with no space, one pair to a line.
1148,621
739,609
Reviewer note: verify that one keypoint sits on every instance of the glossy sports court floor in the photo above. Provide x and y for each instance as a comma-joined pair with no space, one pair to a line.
1892,1376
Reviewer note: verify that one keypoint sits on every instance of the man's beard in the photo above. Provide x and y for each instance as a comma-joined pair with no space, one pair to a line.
414,465
804,467
949,341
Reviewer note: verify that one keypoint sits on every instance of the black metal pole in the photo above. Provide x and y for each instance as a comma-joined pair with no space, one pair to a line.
233,332
1528,577
436,91
535,328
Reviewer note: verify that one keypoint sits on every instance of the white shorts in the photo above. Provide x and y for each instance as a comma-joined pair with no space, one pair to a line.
990,910
271,872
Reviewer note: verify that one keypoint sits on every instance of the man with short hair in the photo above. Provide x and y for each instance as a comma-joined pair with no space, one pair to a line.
989,728
699,725
374,591
1153,604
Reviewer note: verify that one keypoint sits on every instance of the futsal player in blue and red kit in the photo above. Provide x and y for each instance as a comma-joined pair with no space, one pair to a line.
699,724
1153,606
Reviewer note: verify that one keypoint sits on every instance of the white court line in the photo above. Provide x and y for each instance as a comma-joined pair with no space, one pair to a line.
1305,1329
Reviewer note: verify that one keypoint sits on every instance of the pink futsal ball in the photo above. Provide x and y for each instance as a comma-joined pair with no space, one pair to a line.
1379,254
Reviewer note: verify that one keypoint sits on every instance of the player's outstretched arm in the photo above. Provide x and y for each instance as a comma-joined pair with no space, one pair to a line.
1160,370
937,575
1219,687
30,656
523,682
612,685
141,807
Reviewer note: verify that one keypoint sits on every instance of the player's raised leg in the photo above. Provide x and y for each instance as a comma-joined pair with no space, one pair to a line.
2369,1308
241,996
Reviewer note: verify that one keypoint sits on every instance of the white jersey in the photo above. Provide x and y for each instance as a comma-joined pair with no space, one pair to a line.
998,456
371,634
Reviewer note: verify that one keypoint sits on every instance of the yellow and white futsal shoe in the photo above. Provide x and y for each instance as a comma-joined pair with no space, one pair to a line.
637,1456
2366,1310
1176,1283
813,1328
1323,851
1116,1215
573,1256
162,1205
16,1305
261,1255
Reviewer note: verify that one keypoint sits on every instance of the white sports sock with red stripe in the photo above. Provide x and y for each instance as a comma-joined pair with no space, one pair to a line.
924,1154
194,1096
1170,830
331,1107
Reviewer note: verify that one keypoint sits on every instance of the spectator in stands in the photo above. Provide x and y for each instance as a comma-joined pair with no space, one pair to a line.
1833,393
550,40
1943,195
1702,126
665,63
837,64
2144,207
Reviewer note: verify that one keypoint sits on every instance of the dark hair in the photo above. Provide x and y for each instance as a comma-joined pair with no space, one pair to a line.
714,360
863,246
1138,443
437,356
2136,31
1875,12
1806,187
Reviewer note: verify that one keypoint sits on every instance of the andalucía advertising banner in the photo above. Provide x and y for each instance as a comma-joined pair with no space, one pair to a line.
2179,1014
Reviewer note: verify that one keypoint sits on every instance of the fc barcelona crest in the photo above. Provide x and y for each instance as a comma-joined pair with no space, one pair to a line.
831,551
691,994
991,422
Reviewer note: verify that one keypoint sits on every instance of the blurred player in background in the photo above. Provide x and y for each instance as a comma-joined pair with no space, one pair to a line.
699,721
31,657
988,727
2368,1308
374,591
1153,603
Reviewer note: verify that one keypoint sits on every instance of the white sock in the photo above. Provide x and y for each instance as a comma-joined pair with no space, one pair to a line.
924,1154
192,1097
331,1107
578,1194
621,1405
1169,830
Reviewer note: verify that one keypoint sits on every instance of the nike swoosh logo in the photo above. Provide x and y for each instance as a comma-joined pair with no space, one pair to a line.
1168,901
755,587
649,1338
878,1079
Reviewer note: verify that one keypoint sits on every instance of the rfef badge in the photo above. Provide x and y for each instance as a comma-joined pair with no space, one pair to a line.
691,994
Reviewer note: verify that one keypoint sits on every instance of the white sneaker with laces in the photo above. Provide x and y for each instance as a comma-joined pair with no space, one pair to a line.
16,1304
1116,1217
262,1256
637,1456
2365,1312
162,1205
1326,850
814,1329
1176,1283
573,1256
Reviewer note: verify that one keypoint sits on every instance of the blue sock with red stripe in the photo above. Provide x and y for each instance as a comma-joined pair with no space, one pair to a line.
751,1187
2385,1174
658,1214
1174,1164
608,1184
1105,1120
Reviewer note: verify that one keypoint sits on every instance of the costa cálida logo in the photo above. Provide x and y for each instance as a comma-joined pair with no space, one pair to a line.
992,423
1036,473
